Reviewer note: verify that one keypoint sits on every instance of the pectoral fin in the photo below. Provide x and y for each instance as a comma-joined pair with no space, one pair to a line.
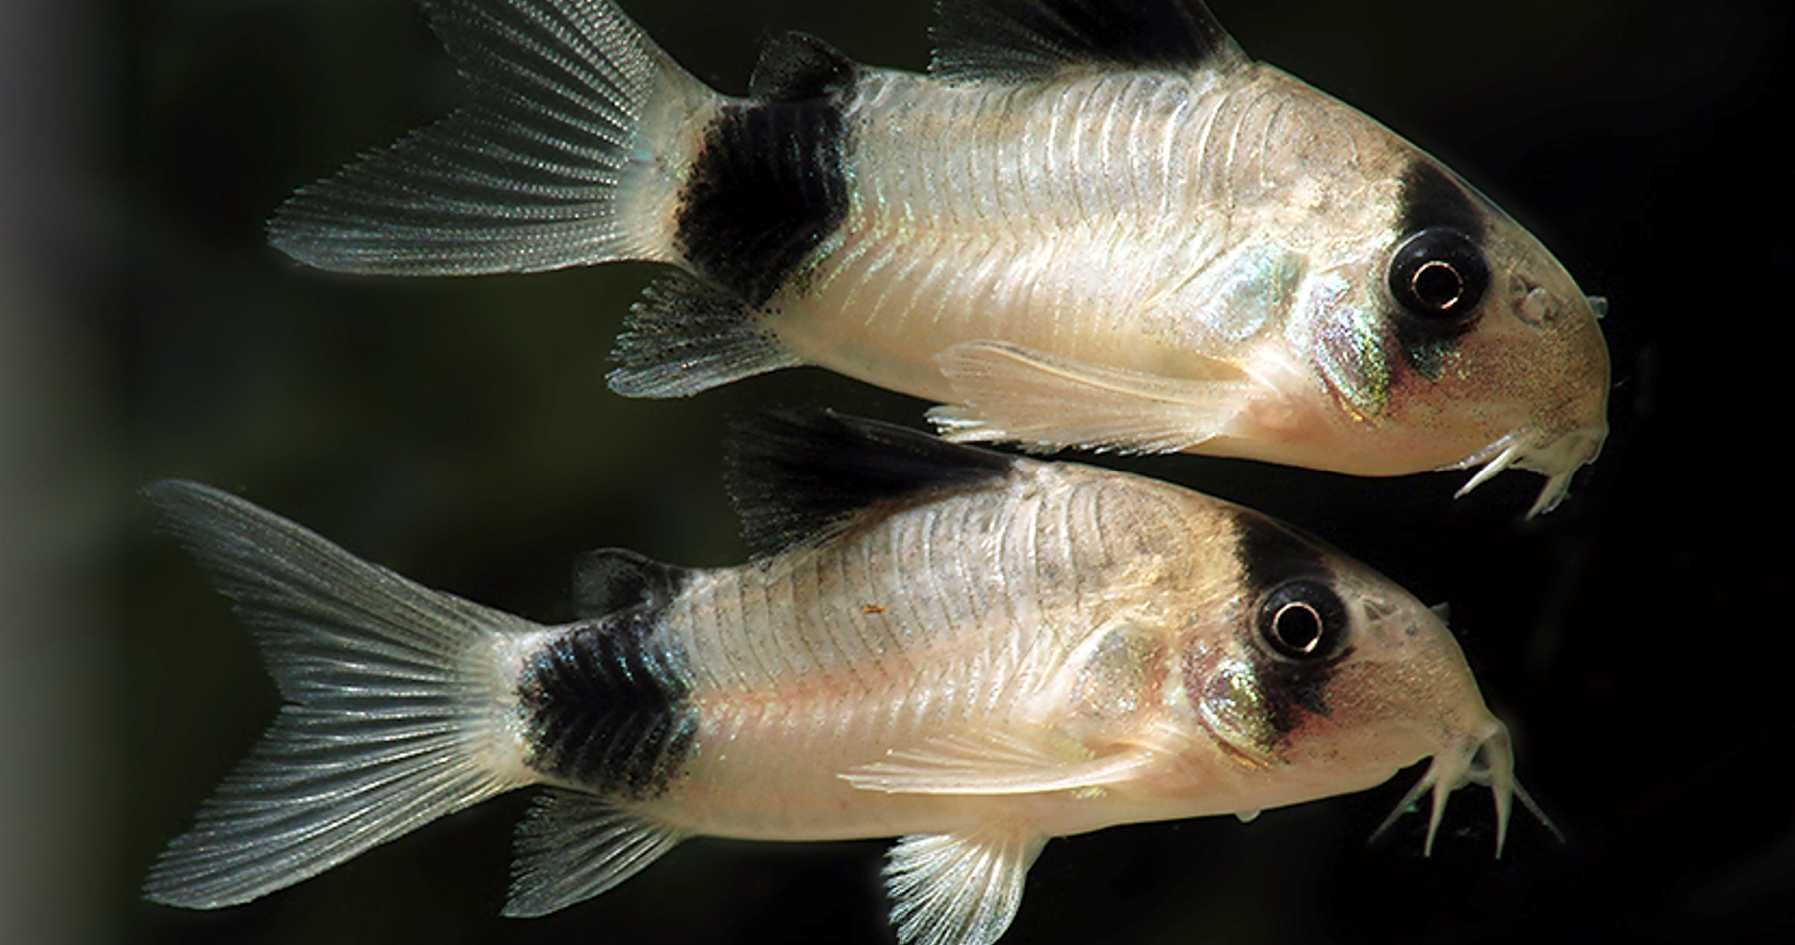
987,762
959,889
1011,393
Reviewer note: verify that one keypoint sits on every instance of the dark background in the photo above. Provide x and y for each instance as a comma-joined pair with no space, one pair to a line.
459,431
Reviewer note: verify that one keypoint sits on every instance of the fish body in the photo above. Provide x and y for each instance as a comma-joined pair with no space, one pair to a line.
1093,223
1039,603
970,651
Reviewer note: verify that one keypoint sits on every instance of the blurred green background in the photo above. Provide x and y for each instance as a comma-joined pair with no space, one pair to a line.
460,432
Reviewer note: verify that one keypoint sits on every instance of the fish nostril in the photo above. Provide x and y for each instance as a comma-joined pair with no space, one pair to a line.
1537,307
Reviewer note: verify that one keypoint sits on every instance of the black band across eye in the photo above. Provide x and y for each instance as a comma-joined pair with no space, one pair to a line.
1303,620
1439,275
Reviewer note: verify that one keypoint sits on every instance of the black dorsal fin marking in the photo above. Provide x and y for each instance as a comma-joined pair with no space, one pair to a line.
800,477
612,579
1019,40
795,66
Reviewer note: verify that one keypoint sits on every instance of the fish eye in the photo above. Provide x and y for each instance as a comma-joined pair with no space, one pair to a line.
1438,275
1302,620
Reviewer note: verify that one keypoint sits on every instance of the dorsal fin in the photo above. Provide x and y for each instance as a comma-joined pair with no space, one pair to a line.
612,579
800,477
1034,39
795,66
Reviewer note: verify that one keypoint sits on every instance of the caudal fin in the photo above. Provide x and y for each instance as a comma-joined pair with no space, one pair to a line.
396,709
552,166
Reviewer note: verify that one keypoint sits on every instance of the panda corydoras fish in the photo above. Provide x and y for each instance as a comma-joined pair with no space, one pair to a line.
1090,223
970,651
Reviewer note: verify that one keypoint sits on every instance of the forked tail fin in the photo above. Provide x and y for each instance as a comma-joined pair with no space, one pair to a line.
398,705
558,162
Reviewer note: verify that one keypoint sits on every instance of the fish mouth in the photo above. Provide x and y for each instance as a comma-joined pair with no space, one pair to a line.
1556,457
1487,761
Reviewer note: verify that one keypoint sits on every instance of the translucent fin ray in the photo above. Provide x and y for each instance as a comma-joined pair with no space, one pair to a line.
571,847
959,889
1010,393
993,763
800,476
685,336
394,697
1036,39
528,178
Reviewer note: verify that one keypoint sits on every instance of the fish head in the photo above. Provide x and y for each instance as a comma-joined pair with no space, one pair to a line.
1492,355
1442,332
1326,678
1530,357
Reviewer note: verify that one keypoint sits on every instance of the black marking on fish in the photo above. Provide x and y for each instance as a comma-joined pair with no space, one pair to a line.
800,477
608,706
1271,553
613,579
767,187
1291,690
1035,39
796,66
1431,197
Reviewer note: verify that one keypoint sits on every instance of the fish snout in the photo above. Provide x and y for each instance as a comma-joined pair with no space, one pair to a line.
1563,383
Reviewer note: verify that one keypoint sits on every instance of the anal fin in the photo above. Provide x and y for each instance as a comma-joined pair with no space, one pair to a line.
1009,393
685,336
959,889
574,846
